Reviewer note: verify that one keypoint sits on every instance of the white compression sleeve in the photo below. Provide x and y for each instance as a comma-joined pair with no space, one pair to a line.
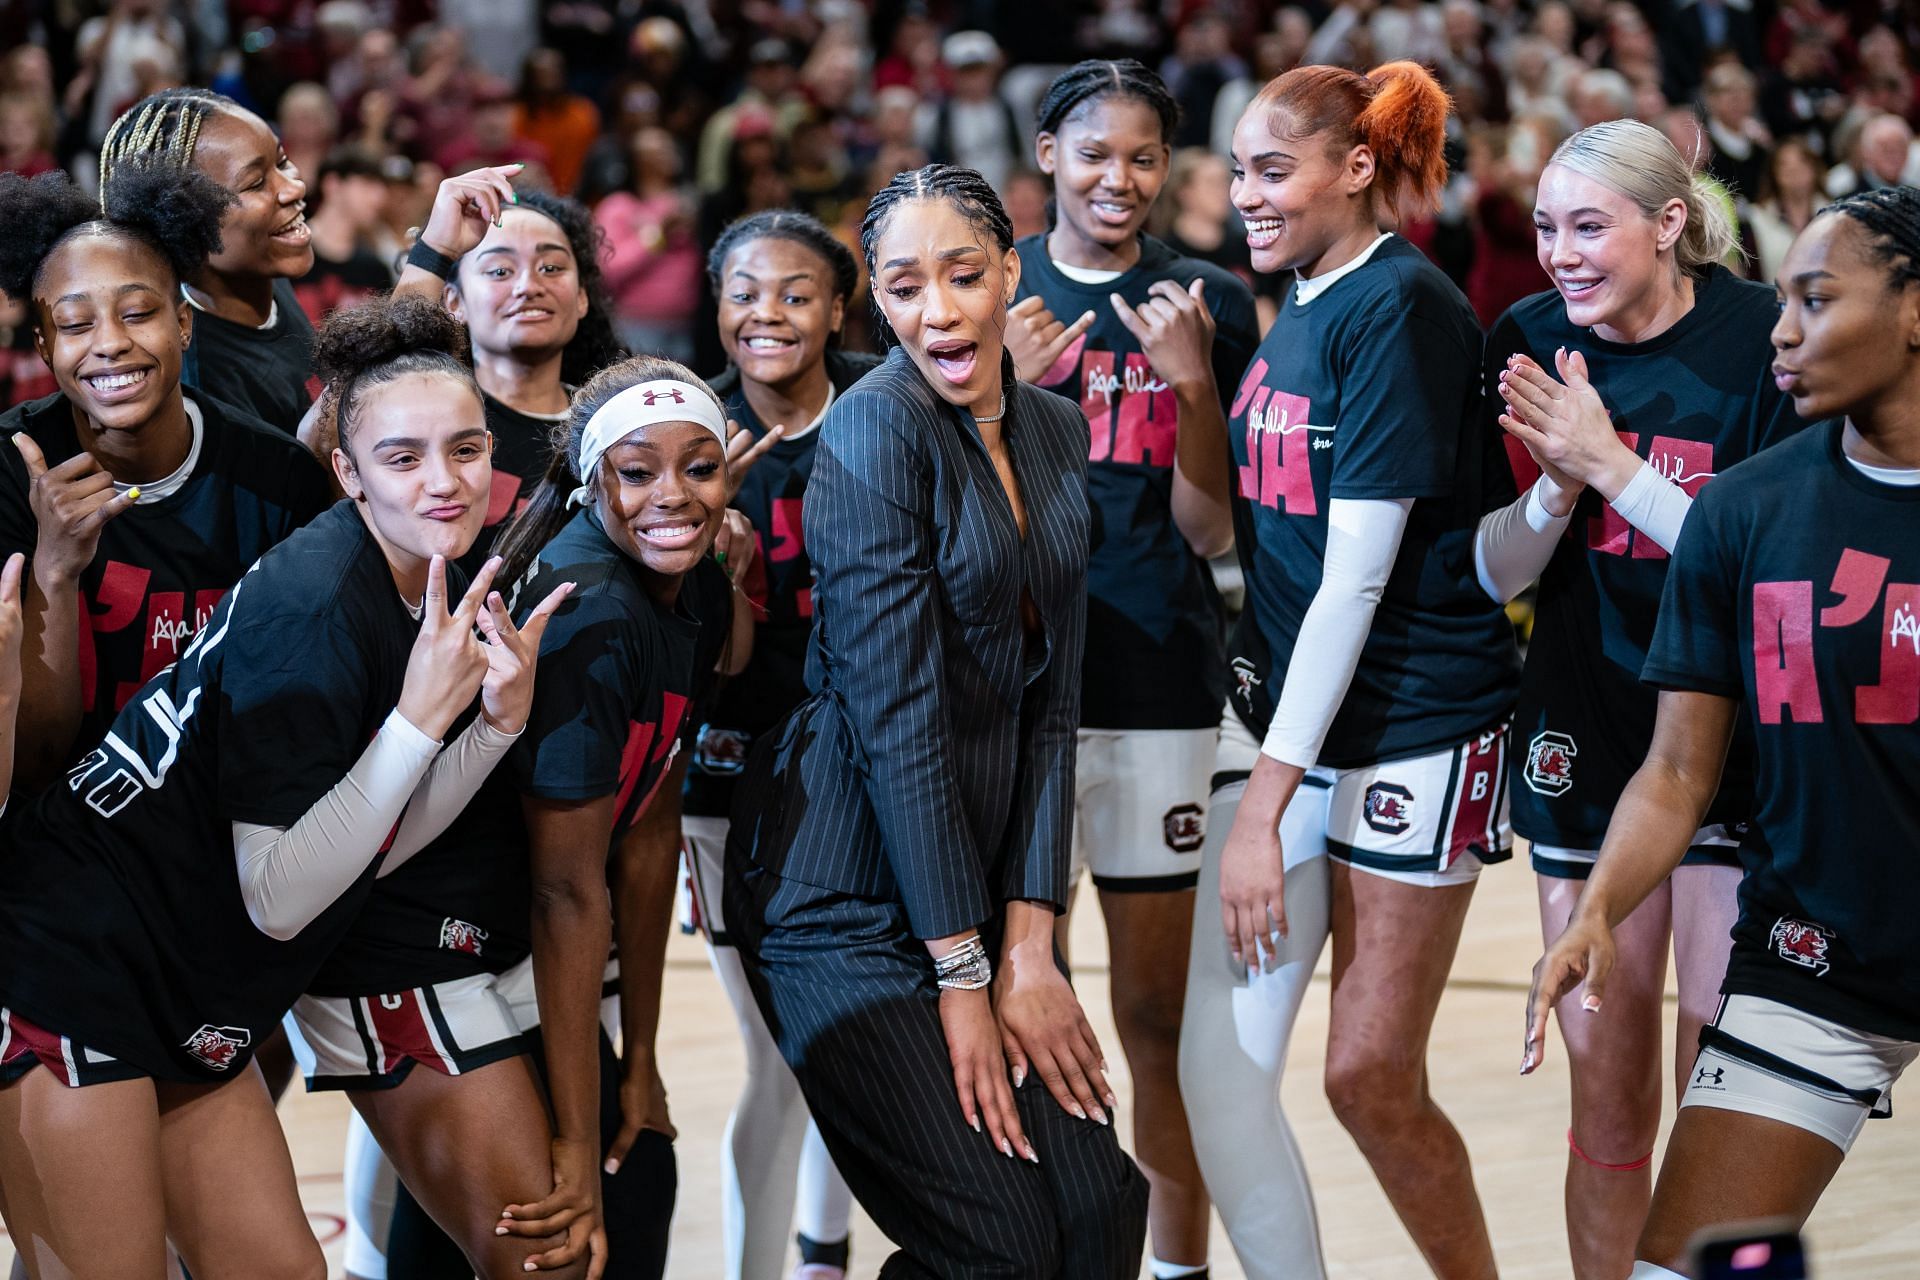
454,776
1233,1047
1363,537
1512,545
1654,505
289,875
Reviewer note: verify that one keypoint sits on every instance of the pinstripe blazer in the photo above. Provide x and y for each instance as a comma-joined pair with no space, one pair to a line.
934,762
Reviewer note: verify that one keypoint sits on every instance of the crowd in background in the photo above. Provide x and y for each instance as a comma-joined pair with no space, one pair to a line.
672,119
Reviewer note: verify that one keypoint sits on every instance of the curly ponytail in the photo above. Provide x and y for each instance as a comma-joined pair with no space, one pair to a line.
1398,111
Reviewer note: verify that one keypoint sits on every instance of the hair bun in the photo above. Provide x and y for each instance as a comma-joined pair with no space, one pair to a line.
355,339
179,209
36,213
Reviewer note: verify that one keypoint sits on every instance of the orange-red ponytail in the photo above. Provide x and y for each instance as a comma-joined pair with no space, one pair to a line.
1398,110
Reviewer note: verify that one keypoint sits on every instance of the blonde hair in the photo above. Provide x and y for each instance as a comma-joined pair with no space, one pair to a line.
1639,162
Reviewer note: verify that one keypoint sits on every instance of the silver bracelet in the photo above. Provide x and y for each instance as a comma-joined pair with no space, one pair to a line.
965,968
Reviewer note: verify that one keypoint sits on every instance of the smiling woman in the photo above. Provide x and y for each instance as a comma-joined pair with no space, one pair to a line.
521,876
902,838
201,816
138,502
256,344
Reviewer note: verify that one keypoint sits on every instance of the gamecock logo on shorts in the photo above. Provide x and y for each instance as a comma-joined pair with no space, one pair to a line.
1550,763
721,751
1184,827
458,935
217,1047
1798,942
1389,808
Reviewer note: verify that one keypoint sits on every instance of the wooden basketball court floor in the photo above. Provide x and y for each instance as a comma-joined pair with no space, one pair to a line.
1867,1228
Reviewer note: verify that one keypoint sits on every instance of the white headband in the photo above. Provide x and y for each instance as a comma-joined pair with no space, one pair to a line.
662,400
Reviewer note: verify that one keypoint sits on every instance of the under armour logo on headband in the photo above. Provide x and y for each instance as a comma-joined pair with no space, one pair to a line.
654,397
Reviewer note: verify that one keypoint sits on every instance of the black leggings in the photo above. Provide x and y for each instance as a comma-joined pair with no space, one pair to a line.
638,1200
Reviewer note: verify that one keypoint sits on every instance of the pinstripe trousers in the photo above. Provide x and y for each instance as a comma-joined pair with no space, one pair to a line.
849,995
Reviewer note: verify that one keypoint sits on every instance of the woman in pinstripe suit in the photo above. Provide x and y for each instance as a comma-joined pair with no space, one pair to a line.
899,847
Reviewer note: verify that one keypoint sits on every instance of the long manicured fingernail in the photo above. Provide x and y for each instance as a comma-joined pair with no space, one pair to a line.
133,494
1099,1115
975,1122
611,1166
1111,1100
528,1265
507,1214
1006,1148
1019,1076
1591,1004
1033,1157
499,1231
1078,1114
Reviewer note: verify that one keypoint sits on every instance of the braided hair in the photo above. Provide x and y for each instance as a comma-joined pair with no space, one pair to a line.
1097,79
971,196
176,216
162,128
1891,218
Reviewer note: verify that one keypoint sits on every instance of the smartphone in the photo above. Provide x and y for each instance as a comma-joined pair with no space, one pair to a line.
1751,1254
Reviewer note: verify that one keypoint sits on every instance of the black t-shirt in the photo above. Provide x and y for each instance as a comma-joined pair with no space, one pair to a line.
123,924
1796,589
161,567
522,447
332,285
617,674
1694,401
1372,390
1155,649
779,585
267,373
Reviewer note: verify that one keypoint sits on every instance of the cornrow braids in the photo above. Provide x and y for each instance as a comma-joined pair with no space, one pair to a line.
971,196
1100,78
163,127
1891,218
802,229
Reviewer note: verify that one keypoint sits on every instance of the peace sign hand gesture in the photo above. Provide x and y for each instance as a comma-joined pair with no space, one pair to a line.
448,661
506,691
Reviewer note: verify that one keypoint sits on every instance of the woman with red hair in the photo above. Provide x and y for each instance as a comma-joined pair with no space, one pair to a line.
1360,784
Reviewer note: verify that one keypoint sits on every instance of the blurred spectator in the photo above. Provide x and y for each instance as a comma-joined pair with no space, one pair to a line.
1887,157
24,375
346,207
1203,63
1697,31
653,261
134,44
1632,50
308,127
770,94
974,125
1803,93
497,33
1025,197
1886,75
1274,53
890,141
551,117
26,134
1408,29
1793,195
1504,165
489,139
818,169
411,188
375,62
1740,146
1600,95
1479,88
436,99
1538,77
912,58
